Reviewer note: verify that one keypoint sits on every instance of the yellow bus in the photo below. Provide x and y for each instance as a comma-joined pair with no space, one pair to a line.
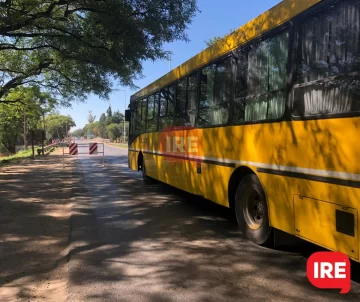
265,122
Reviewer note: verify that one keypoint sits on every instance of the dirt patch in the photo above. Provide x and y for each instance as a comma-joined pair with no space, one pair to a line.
35,208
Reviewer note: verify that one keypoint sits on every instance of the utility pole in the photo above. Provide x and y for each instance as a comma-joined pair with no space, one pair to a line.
124,133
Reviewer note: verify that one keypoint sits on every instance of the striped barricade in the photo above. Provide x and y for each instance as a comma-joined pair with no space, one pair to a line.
73,149
93,148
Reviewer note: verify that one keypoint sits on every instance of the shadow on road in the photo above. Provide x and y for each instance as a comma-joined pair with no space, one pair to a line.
137,242
296,246
34,228
151,239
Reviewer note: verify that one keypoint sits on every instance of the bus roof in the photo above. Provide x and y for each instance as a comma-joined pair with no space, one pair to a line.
274,17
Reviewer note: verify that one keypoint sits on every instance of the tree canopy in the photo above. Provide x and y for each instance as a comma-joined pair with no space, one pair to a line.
110,125
109,112
212,41
74,47
10,127
216,39
113,131
78,133
102,126
25,114
91,117
58,126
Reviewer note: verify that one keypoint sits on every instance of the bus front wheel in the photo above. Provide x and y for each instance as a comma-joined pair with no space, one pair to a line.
252,211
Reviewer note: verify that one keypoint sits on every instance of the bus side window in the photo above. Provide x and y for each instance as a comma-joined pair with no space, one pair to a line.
166,117
260,92
163,102
143,115
215,95
156,111
180,118
138,117
223,89
191,104
171,105
240,86
328,79
152,112
186,101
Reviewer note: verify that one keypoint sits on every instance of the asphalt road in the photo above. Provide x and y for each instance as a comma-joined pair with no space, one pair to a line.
132,242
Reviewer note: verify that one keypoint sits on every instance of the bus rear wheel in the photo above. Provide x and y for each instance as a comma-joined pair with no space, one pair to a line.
147,180
252,211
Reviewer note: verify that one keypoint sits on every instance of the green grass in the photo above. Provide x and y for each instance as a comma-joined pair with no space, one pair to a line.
125,146
18,156
15,157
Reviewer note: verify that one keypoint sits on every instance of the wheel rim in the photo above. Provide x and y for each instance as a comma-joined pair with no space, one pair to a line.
254,208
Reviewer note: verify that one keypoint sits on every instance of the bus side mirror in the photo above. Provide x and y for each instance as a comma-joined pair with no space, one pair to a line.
127,115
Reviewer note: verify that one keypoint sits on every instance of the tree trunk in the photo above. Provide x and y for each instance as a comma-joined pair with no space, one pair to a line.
25,133
11,148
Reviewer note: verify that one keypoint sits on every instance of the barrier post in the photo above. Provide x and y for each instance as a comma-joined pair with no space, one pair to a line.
74,150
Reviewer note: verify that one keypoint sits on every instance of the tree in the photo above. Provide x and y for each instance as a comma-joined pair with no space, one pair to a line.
10,127
96,129
91,118
113,131
102,126
109,116
58,125
109,112
216,39
73,47
91,129
117,117
33,100
26,113
212,41
78,133
102,118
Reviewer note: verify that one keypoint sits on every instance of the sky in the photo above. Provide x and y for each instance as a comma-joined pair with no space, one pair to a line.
216,18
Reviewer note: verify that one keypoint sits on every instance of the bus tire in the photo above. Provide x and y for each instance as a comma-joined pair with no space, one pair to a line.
251,211
147,180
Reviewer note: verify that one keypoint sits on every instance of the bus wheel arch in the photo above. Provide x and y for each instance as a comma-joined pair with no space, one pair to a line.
249,203
235,179
140,161
141,167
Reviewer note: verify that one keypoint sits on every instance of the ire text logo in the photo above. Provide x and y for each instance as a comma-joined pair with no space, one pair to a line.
181,144
329,270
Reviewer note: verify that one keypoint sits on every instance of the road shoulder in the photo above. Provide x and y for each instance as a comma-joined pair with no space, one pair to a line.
35,204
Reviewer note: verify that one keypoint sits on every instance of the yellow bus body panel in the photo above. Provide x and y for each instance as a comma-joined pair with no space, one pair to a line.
299,206
324,146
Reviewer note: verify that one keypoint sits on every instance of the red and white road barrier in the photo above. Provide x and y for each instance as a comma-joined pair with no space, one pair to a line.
93,148
73,149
